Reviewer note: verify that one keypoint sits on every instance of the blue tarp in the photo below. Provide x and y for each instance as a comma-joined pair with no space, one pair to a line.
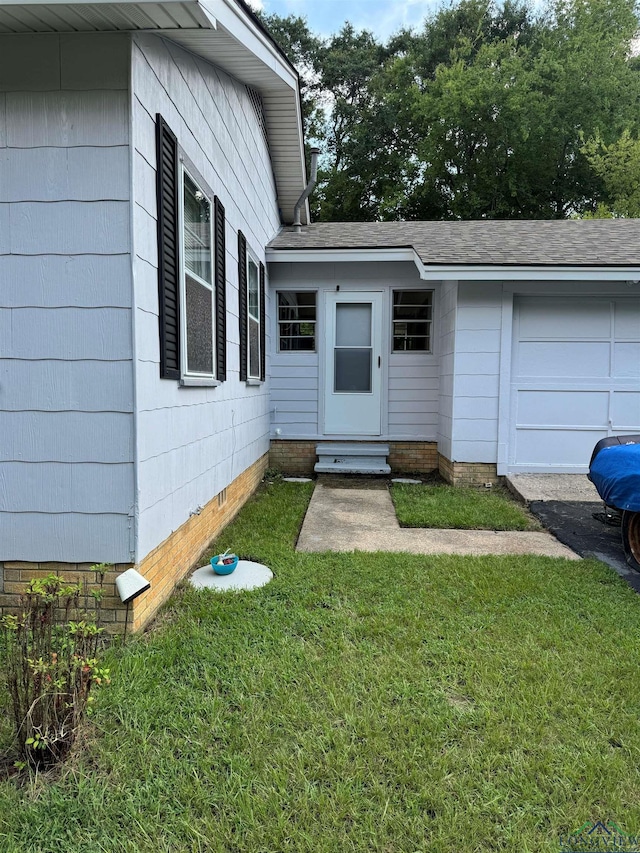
615,473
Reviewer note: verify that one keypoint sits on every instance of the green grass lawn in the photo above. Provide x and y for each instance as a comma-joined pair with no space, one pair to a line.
443,506
359,702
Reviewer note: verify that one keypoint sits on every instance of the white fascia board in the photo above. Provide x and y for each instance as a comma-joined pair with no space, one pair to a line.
486,272
288,256
459,272
238,24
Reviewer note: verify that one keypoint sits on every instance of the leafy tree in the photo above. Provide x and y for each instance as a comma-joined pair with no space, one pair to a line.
618,165
350,61
482,114
498,127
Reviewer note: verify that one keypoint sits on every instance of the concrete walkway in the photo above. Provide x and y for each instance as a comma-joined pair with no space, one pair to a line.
552,487
357,519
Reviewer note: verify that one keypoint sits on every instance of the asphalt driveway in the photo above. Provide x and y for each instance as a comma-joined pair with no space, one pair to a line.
551,498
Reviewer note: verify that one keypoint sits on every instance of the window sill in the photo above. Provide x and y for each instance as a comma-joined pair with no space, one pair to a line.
196,382
252,383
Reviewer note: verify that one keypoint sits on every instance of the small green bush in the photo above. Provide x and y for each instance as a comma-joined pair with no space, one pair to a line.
50,664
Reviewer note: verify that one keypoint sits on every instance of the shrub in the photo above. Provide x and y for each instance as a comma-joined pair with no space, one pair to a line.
50,665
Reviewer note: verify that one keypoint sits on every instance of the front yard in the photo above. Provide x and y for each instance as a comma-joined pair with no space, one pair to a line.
359,702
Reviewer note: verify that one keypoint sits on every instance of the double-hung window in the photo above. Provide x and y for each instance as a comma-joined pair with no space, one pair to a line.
197,280
252,291
191,268
253,318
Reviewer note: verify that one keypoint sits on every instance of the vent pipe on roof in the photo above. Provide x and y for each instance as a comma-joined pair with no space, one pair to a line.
307,190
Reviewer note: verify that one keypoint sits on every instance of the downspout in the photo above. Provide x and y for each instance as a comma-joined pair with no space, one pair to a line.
307,190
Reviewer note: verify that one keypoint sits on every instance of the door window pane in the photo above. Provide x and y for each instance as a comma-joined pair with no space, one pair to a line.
353,371
353,324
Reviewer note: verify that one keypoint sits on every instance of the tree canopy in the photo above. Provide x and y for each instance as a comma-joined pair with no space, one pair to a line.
490,111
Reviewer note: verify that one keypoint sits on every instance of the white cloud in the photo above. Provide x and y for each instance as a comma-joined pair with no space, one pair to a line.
382,17
256,5
390,17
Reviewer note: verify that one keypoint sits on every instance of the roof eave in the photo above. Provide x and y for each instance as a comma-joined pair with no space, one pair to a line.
220,31
461,272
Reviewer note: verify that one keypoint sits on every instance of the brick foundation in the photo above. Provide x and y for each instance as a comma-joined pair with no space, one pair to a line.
168,564
15,575
164,567
293,457
410,457
467,473
299,457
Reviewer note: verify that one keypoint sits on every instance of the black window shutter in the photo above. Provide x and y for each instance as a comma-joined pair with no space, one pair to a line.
221,291
263,331
242,303
168,261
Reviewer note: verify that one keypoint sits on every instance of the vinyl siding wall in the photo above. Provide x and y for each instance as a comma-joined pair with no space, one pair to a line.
447,333
410,380
66,386
477,372
193,442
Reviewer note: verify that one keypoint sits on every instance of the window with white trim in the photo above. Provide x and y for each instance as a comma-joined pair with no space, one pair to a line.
253,318
197,288
252,313
412,320
296,320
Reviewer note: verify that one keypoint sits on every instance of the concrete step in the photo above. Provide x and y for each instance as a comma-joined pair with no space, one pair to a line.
352,465
352,448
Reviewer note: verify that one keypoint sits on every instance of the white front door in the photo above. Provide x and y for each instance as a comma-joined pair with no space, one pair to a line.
353,363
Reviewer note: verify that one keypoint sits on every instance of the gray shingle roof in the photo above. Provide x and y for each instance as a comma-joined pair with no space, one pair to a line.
588,242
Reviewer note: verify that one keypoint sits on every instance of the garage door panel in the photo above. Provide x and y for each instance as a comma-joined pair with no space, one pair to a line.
626,360
564,319
556,448
627,321
575,378
562,408
562,359
625,410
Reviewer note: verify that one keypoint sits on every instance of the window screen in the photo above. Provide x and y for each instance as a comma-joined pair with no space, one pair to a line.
297,320
412,318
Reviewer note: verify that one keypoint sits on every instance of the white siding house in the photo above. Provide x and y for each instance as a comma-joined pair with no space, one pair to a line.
534,347
148,154
162,329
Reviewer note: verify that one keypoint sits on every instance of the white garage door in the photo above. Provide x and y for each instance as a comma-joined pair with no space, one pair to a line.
575,378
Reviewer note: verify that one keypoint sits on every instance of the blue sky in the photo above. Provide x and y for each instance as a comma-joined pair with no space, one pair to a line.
382,17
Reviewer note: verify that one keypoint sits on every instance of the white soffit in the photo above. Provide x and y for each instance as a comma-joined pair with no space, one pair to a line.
56,17
219,31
